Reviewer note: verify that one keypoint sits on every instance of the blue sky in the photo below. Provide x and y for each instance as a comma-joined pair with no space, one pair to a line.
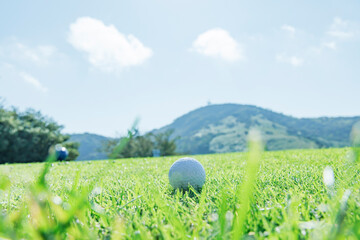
96,66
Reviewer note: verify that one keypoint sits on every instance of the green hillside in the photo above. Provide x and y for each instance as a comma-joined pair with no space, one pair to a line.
223,128
90,146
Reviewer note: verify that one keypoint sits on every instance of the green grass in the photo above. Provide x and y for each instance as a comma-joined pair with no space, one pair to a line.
132,199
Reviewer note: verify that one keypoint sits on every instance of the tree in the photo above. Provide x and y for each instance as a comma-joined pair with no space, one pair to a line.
165,144
137,145
127,147
72,147
123,147
143,146
27,136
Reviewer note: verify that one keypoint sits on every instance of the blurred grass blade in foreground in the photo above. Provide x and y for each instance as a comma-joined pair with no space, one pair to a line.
245,193
329,180
133,131
338,226
49,160
355,141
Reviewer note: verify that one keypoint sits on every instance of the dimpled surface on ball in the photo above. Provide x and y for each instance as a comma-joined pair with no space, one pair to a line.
185,172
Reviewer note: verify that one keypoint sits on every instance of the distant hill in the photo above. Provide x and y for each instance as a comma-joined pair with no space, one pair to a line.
224,127
90,146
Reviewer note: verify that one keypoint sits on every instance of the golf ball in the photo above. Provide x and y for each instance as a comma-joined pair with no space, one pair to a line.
187,172
61,152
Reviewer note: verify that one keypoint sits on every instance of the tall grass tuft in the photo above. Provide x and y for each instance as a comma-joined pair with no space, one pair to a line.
246,190
355,140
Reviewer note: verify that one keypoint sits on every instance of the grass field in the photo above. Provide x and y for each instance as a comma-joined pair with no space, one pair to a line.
132,198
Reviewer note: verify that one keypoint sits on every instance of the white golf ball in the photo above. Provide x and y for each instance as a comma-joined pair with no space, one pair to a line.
187,172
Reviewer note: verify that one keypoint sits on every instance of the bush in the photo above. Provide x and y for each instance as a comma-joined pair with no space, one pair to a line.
27,136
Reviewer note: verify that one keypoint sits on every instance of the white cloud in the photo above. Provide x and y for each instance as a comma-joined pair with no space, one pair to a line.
33,81
293,60
218,43
289,29
331,45
38,54
17,51
324,46
7,66
106,47
341,34
9,72
342,29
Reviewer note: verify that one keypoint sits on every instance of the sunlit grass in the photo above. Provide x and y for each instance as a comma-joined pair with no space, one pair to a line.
132,198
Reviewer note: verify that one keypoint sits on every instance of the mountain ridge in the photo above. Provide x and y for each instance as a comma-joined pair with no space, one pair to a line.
220,128
90,145
280,131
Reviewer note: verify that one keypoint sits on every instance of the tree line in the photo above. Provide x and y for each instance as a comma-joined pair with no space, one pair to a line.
136,145
27,136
